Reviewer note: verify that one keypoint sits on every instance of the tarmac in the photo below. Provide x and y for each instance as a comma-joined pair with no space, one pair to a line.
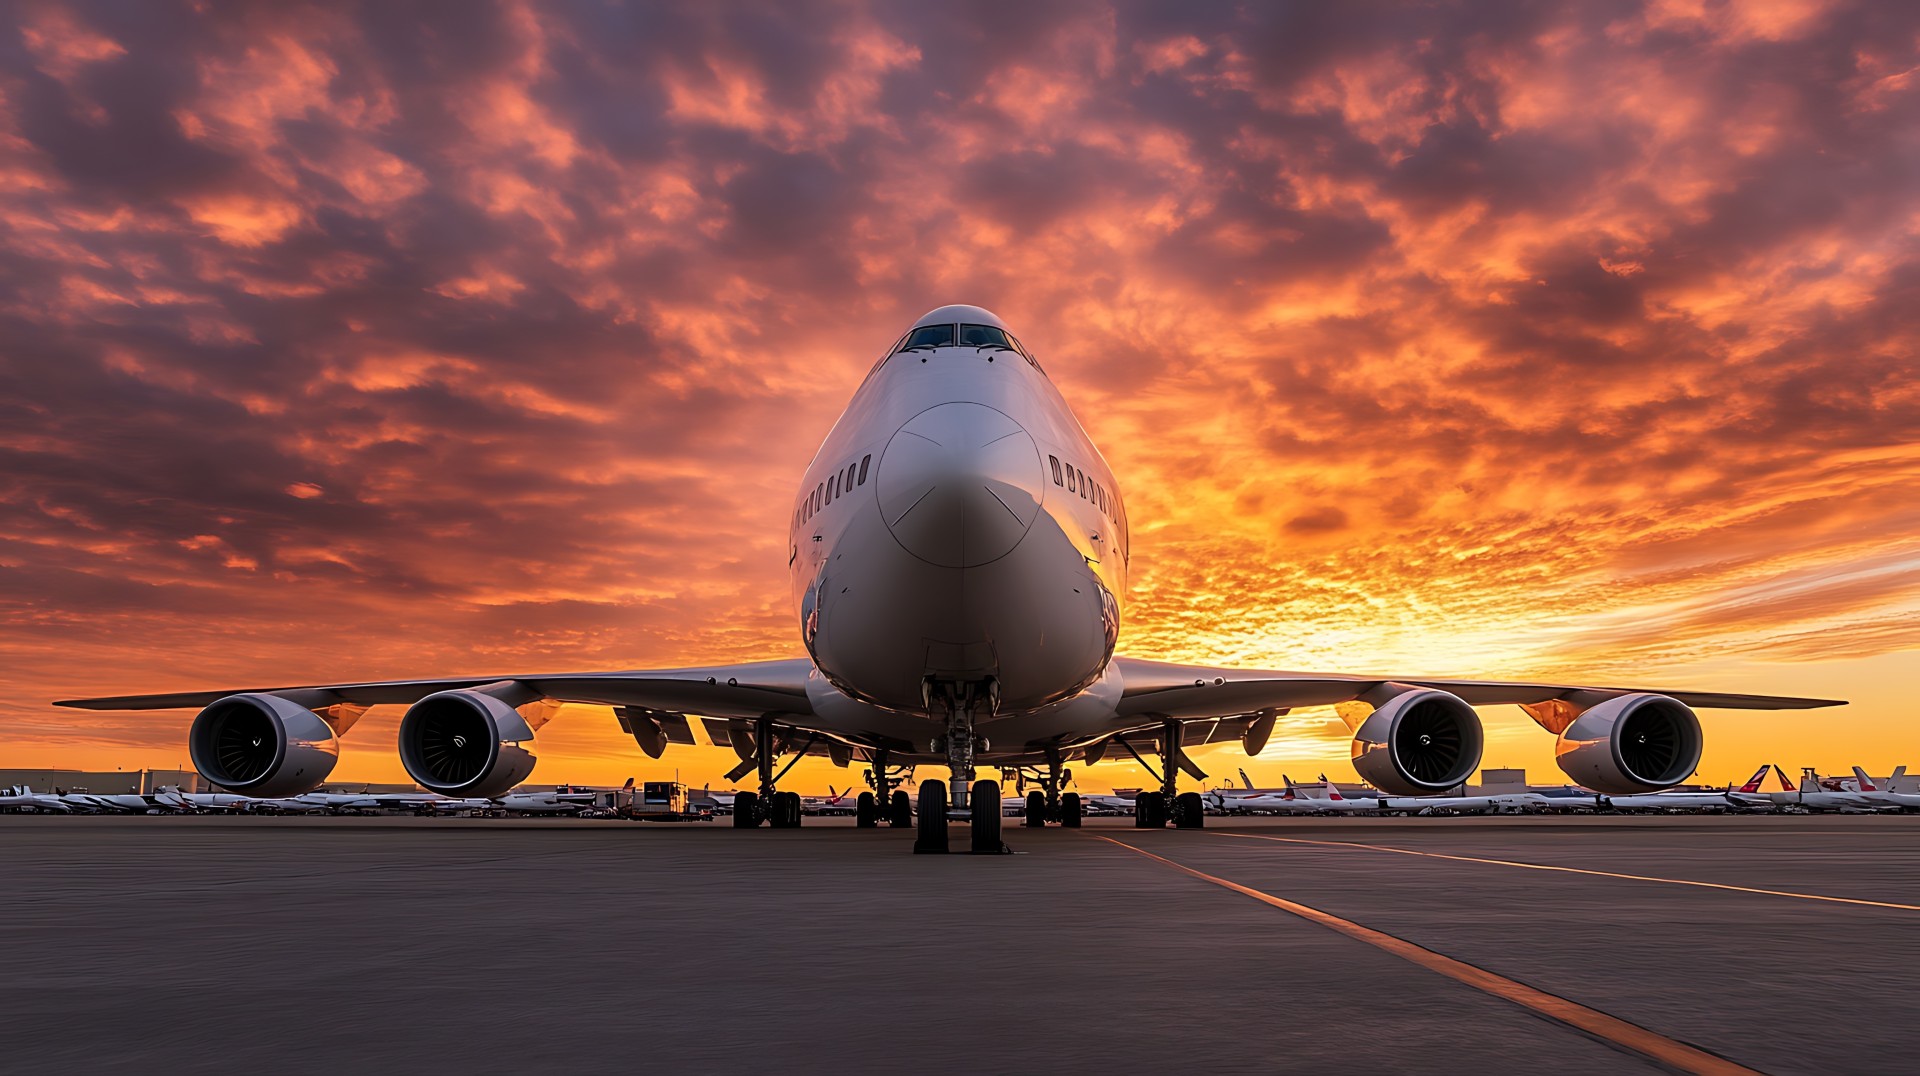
393,945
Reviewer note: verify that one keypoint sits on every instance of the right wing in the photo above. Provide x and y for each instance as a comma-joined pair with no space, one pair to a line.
1161,689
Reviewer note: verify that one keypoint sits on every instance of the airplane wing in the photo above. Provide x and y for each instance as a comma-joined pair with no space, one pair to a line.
1163,689
751,690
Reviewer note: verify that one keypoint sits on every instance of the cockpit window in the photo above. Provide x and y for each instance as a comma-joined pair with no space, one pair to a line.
928,336
985,336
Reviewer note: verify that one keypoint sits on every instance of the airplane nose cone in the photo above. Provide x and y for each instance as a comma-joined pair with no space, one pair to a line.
959,485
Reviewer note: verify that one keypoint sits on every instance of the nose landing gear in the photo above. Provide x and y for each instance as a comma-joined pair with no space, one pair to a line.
979,801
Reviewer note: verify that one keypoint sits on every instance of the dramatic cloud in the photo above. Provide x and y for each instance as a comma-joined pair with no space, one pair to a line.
1492,338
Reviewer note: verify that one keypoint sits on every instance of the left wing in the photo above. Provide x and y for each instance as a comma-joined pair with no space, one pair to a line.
755,689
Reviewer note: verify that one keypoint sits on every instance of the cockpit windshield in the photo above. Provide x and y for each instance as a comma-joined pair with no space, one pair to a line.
985,336
929,336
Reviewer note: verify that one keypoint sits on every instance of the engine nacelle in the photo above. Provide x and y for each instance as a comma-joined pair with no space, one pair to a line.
1418,742
262,745
466,743
1631,743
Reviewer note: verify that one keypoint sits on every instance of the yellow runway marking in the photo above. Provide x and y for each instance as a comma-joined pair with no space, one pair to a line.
1657,1047
1582,870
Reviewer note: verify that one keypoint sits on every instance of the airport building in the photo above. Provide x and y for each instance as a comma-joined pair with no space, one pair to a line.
1498,782
104,782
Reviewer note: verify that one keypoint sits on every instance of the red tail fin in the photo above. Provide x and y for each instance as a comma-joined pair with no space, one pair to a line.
1753,783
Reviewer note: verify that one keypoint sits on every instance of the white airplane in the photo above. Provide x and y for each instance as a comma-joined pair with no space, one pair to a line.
1746,796
1227,798
958,554
18,797
1874,793
171,796
1810,795
1331,801
1496,804
835,802
132,803
1671,801
564,800
1101,803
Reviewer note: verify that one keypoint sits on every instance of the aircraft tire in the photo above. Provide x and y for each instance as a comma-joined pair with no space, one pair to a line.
1189,811
1070,810
1148,811
866,811
931,836
746,810
1036,810
786,807
986,820
901,816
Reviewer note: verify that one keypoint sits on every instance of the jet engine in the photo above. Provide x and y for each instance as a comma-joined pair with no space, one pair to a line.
1631,743
262,745
466,743
1418,741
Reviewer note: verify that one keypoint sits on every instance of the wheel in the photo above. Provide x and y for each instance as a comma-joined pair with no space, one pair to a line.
1189,811
746,810
901,816
986,819
931,837
866,811
1148,813
1070,810
1036,810
786,808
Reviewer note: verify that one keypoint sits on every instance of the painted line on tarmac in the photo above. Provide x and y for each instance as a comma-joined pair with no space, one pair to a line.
1611,1029
1582,870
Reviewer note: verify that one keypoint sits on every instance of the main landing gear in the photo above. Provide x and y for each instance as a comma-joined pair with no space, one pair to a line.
885,803
1048,803
779,810
1153,810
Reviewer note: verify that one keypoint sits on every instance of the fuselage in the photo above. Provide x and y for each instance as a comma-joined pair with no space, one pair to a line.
957,527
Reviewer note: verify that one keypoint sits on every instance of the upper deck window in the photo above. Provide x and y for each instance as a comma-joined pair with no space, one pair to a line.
928,336
985,336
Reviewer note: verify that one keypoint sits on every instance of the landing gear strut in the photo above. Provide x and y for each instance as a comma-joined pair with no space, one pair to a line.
1046,805
1153,810
779,810
980,800
890,804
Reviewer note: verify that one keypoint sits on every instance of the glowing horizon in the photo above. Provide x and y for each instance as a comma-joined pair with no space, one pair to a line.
1571,343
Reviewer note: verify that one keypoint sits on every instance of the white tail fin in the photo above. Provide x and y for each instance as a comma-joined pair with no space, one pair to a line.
1753,783
1245,781
1893,779
1289,784
1332,792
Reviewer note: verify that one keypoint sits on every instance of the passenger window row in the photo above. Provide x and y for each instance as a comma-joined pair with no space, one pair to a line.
1074,480
839,484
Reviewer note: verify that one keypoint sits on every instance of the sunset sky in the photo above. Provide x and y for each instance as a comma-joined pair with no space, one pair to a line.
1494,339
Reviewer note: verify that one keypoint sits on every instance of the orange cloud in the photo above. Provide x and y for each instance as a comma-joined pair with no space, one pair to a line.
1549,341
